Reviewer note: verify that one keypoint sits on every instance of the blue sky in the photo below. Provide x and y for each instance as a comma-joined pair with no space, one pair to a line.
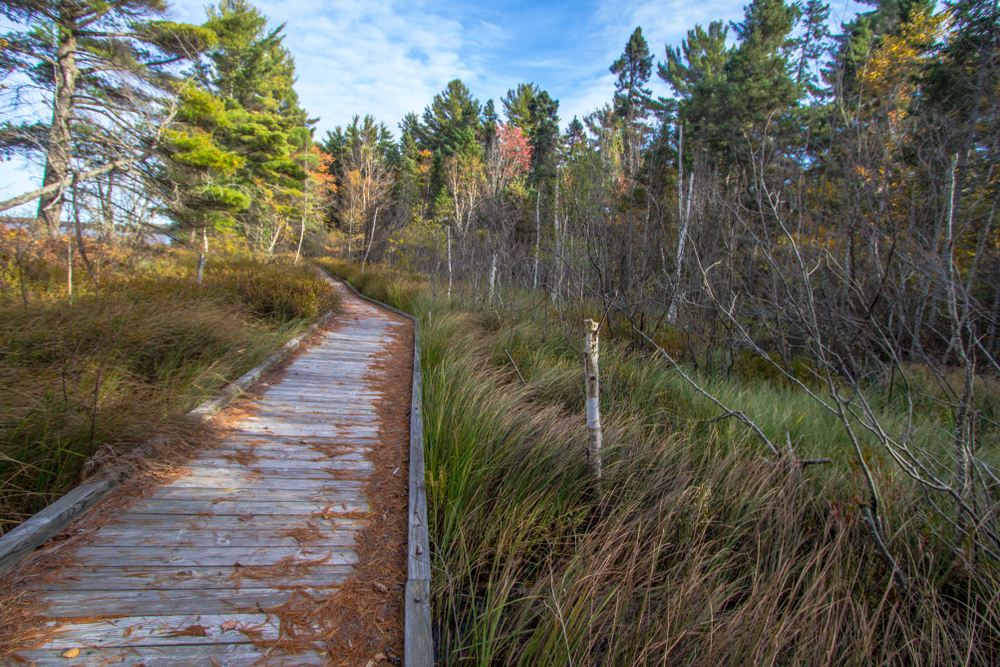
389,57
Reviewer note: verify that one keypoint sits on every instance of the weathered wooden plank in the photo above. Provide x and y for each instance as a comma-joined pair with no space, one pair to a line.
162,631
306,430
163,602
333,412
147,577
418,547
417,630
302,419
235,508
274,440
323,473
306,396
313,536
225,655
181,557
318,457
334,491
269,482
275,445
265,463
251,522
24,539
296,403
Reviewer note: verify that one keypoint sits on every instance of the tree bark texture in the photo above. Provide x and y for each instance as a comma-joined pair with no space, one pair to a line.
57,158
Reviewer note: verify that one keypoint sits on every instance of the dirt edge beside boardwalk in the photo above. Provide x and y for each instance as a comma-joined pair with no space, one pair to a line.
369,605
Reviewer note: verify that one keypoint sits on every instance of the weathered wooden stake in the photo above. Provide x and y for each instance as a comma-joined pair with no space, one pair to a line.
593,401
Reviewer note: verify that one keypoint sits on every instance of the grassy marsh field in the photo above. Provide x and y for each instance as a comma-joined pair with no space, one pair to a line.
115,363
702,550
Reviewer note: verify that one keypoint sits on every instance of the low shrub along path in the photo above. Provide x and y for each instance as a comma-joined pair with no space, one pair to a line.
285,544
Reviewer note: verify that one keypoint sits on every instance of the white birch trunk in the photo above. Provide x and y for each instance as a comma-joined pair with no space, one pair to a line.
559,245
681,241
591,353
672,310
370,240
302,230
493,277
538,238
69,267
449,264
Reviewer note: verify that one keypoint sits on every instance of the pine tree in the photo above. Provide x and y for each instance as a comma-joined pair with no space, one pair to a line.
254,74
544,136
758,80
449,114
727,93
575,133
699,62
517,105
633,101
102,66
490,123
197,183
534,111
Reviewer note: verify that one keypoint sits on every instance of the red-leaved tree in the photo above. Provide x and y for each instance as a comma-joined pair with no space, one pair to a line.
507,158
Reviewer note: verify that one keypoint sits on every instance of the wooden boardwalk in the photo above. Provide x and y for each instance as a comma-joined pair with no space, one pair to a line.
185,575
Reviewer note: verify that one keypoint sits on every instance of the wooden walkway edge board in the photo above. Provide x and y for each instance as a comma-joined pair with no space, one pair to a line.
418,645
23,540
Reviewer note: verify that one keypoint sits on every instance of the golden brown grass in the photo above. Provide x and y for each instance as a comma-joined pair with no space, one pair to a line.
700,551
104,371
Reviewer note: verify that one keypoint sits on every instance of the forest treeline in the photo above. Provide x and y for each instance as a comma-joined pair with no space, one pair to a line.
869,153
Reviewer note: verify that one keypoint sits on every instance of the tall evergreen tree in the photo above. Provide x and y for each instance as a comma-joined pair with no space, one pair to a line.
490,123
342,141
699,62
517,105
633,101
758,77
102,67
543,136
254,73
534,111
446,118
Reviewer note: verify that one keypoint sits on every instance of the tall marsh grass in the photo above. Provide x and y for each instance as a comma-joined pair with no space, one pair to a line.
111,367
701,551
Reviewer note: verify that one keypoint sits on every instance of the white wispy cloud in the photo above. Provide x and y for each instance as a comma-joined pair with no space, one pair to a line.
383,58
